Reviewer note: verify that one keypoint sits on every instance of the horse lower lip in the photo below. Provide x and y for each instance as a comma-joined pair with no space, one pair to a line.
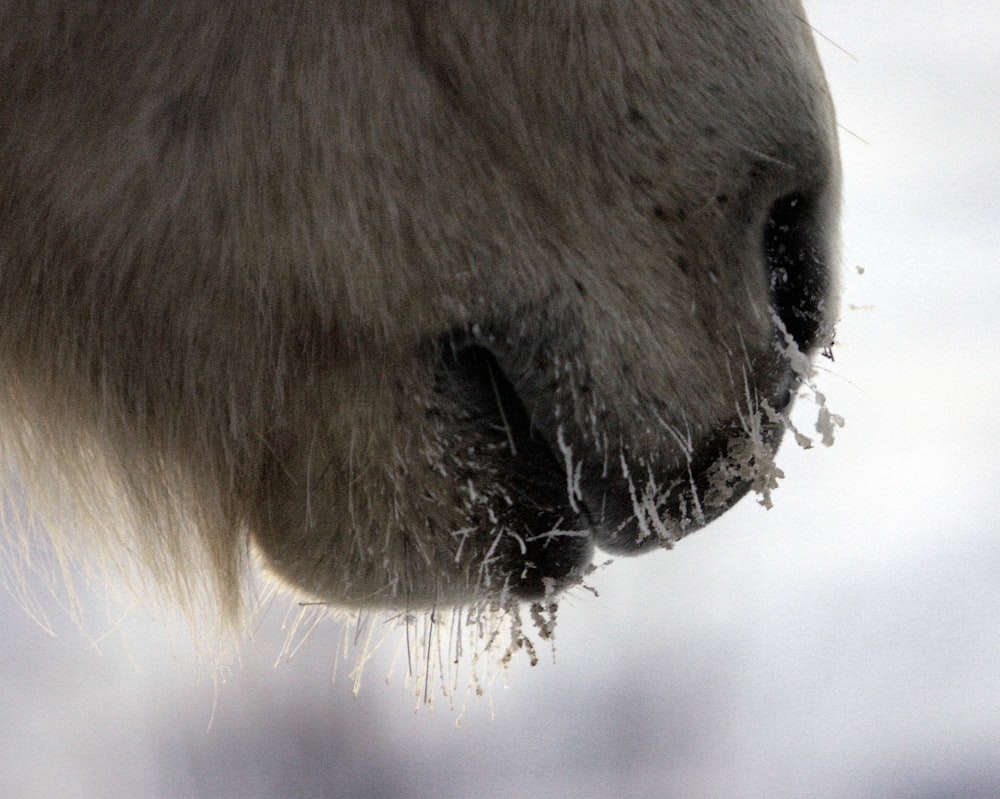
640,511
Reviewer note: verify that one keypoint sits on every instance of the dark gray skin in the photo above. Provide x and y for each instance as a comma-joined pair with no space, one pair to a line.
420,301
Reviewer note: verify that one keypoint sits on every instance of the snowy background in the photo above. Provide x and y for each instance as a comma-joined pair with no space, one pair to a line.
844,644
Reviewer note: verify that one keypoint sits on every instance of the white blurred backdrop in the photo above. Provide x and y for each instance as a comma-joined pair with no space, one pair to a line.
845,643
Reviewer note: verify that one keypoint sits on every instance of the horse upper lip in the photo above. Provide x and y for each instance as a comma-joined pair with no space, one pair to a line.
624,501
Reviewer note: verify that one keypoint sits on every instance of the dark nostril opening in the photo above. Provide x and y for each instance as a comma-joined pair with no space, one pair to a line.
798,261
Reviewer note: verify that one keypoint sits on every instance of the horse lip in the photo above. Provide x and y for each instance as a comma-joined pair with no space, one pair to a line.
688,498
604,497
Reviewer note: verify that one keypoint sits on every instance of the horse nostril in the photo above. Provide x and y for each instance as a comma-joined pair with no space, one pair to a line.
797,256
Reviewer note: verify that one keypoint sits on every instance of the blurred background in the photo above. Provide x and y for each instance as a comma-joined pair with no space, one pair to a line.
845,643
